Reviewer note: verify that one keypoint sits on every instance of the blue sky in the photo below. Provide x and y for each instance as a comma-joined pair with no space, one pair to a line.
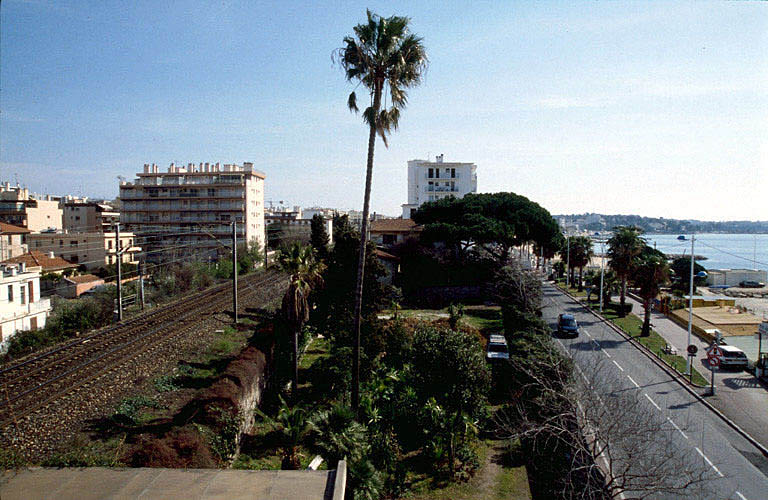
653,108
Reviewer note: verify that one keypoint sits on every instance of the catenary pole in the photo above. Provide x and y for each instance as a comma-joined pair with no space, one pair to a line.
141,282
119,255
234,269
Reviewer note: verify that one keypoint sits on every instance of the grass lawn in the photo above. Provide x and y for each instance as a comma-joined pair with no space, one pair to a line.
487,319
573,290
632,326
493,481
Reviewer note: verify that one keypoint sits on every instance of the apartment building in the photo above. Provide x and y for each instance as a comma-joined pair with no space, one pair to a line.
19,208
89,216
430,181
187,211
21,307
13,240
91,250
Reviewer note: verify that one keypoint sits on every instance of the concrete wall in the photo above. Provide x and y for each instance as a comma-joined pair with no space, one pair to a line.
732,277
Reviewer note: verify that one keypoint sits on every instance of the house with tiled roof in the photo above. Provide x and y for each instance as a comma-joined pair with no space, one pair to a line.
47,262
74,286
21,306
389,232
13,240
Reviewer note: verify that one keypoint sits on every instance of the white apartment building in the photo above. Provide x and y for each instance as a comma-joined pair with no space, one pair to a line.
89,216
187,211
20,208
430,181
92,250
21,307
13,241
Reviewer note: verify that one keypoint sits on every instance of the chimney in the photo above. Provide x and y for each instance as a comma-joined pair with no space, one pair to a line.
50,254
146,168
439,158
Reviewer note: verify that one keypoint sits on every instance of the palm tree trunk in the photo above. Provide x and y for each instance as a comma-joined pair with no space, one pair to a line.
581,285
647,320
623,296
295,391
363,241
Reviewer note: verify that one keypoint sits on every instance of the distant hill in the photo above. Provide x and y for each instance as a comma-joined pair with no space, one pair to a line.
601,222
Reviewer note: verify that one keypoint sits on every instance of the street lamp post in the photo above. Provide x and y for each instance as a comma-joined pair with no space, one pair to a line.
568,261
602,273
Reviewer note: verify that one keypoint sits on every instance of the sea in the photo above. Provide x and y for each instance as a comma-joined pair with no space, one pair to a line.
723,251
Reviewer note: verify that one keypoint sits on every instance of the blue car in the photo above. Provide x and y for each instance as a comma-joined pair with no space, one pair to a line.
567,325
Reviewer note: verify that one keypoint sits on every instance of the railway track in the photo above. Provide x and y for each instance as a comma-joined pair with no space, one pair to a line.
38,381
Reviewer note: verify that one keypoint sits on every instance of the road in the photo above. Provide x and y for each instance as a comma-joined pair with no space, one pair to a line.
739,395
737,468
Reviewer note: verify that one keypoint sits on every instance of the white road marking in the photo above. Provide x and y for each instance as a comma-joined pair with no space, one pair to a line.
633,381
676,427
565,348
582,374
652,401
741,496
588,334
605,352
709,462
618,365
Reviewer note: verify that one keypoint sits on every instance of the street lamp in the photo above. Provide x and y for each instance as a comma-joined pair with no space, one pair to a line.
700,274
568,260
602,271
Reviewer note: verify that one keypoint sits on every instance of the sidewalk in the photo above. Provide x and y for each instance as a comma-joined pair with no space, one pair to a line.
739,395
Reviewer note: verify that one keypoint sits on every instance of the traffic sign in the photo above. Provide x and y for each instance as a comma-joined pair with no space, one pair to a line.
692,350
713,361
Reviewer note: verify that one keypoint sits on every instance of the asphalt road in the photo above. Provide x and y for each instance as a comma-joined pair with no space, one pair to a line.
738,469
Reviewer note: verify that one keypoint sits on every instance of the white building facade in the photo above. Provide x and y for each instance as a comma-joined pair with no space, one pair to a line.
21,307
430,181
188,210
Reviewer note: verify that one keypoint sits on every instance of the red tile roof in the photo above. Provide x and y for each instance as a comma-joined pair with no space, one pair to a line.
35,258
385,255
394,226
11,229
85,278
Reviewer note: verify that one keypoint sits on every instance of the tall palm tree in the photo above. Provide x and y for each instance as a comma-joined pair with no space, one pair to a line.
581,254
624,247
650,273
386,59
305,273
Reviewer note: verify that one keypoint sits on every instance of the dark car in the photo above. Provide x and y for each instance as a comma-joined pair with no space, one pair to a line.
567,325
751,284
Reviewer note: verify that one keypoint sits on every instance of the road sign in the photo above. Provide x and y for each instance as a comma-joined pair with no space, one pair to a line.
692,350
713,361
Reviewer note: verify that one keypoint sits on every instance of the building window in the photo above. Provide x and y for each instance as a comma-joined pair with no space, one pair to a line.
73,243
61,243
23,295
10,293
388,239
109,245
431,173
453,173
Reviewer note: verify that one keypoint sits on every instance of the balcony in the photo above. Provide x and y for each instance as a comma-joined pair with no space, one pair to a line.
444,176
441,189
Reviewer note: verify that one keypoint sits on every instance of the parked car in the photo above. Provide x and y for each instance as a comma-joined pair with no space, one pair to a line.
497,348
732,357
567,325
751,284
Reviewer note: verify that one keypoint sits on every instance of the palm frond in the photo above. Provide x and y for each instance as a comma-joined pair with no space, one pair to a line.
352,102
